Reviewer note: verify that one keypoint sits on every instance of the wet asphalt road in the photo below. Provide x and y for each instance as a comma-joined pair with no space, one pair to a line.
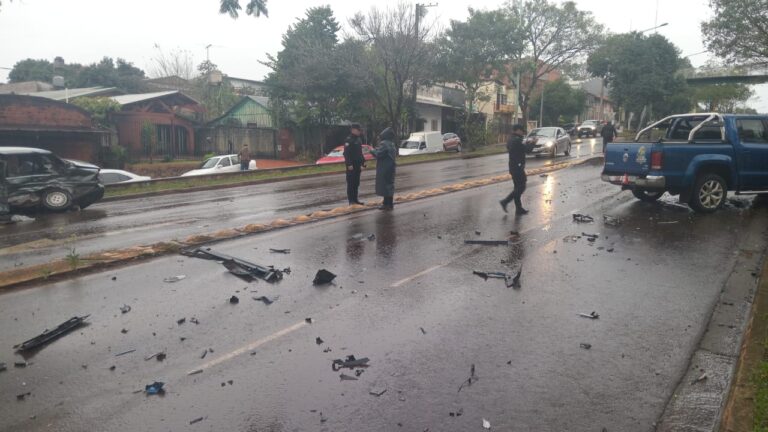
126,223
408,301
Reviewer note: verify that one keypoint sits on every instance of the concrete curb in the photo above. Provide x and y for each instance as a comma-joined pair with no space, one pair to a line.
699,405
62,268
260,181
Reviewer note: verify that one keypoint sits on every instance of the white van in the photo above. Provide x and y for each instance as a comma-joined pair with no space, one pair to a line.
422,142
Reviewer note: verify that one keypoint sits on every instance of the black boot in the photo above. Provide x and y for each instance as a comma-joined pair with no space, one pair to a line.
504,206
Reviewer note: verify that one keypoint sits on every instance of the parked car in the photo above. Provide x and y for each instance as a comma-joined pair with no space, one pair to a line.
111,176
451,142
219,165
37,178
422,142
698,156
337,155
549,141
589,128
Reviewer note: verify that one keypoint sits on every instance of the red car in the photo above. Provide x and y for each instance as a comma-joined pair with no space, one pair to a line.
337,155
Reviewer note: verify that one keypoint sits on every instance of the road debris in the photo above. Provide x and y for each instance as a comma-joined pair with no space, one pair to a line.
20,364
582,218
359,372
350,362
197,420
196,372
593,315
377,391
486,424
571,239
487,242
174,279
543,175
611,221
205,353
22,396
266,300
234,300
125,308
323,277
280,251
50,335
585,346
124,331
702,377
181,321
239,267
160,356
458,413
422,330
3,367
372,237
125,352
319,341
591,237
516,279
308,320
478,233
156,388
468,381
345,377
194,321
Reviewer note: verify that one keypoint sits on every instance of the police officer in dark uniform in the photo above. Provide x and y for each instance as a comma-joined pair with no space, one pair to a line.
516,150
354,160
5,211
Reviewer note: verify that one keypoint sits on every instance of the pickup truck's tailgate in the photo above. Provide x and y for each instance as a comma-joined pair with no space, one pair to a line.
632,159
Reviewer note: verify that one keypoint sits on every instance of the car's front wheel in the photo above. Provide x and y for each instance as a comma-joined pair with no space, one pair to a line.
568,150
647,196
458,148
57,199
709,193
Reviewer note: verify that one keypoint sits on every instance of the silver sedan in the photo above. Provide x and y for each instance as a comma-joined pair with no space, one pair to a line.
549,141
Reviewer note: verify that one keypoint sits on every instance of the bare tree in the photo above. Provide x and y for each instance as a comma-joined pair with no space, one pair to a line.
177,62
554,37
397,54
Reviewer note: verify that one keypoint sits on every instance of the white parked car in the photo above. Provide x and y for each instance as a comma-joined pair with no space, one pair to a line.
220,165
422,142
112,176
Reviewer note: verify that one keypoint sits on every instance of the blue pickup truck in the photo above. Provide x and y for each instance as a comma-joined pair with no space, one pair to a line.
698,156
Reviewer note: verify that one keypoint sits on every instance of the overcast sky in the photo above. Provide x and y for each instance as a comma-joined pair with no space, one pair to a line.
84,31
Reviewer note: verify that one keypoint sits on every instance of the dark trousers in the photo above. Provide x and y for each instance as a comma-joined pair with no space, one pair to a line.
244,165
606,140
519,179
353,184
389,201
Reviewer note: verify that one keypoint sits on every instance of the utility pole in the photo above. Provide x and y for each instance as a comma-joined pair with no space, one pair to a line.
207,56
541,108
414,86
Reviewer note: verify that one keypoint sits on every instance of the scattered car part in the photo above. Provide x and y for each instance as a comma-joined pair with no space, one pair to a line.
350,362
50,335
468,381
319,341
125,308
487,242
234,300
378,391
592,315
323,277
196,372
265,300
3,367
611,221
125,352
156,388
239,267
581,218
197,420
280,251
174,279
486,424
586,346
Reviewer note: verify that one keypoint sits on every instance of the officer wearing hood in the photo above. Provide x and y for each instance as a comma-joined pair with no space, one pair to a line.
386,162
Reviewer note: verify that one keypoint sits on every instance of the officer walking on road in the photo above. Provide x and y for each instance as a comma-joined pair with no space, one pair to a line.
353,158
516,150
608,132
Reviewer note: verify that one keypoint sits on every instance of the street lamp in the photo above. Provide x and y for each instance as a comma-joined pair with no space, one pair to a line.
654,28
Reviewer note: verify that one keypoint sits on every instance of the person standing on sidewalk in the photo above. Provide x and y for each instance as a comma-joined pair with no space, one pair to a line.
355,161
516,150
608,132
5,211
386,163
245,157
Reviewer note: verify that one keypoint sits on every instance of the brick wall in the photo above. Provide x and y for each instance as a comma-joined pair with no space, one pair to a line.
16,110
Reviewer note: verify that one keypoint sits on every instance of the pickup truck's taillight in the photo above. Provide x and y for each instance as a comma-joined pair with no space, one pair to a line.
657,160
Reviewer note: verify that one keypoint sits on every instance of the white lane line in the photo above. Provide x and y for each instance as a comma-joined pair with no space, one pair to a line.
416,276
251,346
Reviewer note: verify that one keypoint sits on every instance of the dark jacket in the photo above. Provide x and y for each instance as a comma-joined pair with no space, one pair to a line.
516,150
608,132
386,163
353,151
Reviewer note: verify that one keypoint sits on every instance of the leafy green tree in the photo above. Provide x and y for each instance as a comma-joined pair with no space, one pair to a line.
31,70
233,8
738,30
721,97
216,98
642,72
471,53
561,103
100,109
108,73
554,36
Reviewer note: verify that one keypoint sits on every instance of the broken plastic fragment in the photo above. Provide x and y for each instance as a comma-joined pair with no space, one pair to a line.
3,367
611,221
197,420
487,242
581,218
323,277
265,300
125,308
350,362
486,424
281,251
156,388
318,341
125,352
195,372
701,378
592,315
234,300
181,321
174,279
586,346
50,335
378,391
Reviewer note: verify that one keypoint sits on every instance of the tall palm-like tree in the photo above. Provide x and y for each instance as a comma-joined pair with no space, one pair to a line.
254,7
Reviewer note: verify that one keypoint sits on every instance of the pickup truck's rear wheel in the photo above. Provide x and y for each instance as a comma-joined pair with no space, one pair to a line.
647,196
709,193
56,200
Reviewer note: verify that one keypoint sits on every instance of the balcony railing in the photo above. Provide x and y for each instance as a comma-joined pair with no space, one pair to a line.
504,108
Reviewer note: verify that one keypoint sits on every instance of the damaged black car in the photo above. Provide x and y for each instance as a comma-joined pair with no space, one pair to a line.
38,179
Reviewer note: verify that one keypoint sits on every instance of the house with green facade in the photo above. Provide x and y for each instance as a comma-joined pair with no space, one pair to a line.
249,122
